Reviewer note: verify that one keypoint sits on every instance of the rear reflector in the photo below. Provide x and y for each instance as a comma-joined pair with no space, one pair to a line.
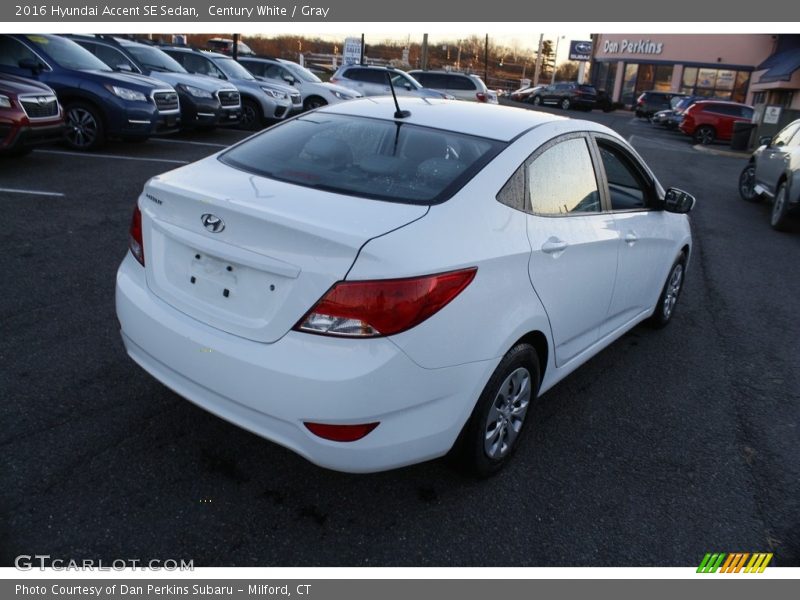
135,242
383,307
340,433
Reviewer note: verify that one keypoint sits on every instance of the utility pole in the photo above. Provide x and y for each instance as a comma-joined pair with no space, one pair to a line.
235,49
555,60
486,61
538,68
424,51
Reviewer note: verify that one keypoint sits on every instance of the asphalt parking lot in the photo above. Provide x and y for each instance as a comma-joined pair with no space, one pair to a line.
667,445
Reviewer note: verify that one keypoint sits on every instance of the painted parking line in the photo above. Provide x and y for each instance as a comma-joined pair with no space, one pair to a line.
163,141
113,156
32,192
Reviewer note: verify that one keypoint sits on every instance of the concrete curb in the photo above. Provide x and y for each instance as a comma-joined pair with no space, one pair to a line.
729,153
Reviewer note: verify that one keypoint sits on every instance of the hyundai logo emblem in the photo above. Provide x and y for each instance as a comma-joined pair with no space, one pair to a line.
212,222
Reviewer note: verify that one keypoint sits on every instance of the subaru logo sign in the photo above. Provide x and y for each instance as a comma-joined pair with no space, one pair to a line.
580,50
212,222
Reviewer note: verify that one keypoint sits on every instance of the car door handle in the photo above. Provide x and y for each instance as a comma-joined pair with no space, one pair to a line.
554,246
631,238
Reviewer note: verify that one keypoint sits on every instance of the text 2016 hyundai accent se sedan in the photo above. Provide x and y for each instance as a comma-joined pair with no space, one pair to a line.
373,289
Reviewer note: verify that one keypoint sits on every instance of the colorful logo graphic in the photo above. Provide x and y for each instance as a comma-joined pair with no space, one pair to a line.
735,563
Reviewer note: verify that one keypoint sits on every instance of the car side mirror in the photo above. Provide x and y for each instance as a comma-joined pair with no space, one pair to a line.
123,67
407,86
765,140
678,201
31,64
289,79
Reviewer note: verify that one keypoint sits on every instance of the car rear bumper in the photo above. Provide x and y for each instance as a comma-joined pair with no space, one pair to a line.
272,389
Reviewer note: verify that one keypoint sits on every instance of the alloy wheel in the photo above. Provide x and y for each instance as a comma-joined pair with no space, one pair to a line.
82,127
673,291
507,413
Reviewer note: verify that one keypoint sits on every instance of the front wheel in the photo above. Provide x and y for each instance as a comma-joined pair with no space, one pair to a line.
667,301
84,129
537,100
747,184
565,103
493,431
779,218
251,116
704,135
313,102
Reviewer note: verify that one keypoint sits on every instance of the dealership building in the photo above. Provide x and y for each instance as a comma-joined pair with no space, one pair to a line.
759,69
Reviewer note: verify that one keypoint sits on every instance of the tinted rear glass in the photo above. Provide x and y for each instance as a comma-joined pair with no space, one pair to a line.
370,158
589,89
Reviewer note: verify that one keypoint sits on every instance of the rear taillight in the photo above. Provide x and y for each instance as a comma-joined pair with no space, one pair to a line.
340,433
481,97
377,308
135,242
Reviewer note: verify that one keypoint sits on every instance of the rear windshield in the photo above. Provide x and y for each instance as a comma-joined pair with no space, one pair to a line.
370,158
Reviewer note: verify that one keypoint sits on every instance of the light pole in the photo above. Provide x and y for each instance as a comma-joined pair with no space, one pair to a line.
555,60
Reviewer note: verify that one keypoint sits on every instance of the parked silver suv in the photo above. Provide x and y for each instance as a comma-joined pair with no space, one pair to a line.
370,80
774,172
461,85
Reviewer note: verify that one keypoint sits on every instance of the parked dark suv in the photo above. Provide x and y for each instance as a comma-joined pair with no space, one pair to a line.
205,101
98,103
567,95
649,103
29,114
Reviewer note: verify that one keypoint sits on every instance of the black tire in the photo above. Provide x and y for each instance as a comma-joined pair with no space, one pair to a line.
252,116
566,103
705,134
537,100
85,129
747,182
313,102
501,408
673,286
779,217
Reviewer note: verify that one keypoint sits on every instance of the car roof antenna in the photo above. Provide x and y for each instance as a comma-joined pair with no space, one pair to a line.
399,114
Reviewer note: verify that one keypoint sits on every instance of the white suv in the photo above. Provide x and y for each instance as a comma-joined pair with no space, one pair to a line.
461,85
370,80
313,90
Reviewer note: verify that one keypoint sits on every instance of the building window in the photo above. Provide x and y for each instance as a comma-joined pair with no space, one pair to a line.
629,84
724,84
603,78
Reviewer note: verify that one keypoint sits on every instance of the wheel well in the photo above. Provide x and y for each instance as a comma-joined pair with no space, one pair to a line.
315,97
252,100
685,251
67,100
539,342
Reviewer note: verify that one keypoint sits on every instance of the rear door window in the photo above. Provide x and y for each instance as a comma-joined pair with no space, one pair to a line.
561,180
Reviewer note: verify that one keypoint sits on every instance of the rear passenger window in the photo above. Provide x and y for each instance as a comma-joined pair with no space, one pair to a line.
367,75
461,83
561,180
513,192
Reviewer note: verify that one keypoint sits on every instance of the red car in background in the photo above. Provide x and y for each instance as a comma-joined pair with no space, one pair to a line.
710,120
30,114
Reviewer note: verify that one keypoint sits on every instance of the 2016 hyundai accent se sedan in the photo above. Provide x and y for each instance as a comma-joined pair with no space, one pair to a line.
373,289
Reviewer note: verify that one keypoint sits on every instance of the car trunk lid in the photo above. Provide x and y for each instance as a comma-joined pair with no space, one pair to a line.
250,255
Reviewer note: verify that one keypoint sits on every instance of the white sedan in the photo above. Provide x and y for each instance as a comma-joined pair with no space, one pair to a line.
373,289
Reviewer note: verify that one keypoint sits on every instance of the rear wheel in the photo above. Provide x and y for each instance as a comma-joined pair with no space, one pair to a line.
85,129
705,134
747,184
779,219
566,103
493,431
